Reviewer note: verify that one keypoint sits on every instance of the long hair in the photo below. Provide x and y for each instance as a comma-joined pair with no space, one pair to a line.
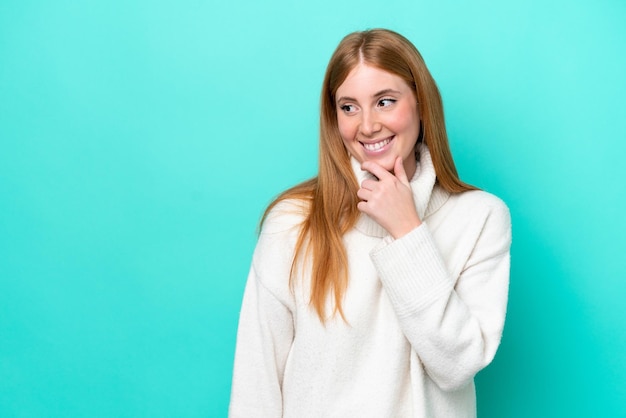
331,197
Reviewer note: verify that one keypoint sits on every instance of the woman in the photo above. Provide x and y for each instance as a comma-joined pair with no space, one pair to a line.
378,288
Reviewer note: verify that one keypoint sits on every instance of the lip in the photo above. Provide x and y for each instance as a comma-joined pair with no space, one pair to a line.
376,151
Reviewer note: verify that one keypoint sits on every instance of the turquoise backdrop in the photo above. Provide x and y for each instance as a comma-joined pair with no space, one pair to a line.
141,140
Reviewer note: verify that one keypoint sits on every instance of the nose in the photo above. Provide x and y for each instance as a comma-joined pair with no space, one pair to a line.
369,123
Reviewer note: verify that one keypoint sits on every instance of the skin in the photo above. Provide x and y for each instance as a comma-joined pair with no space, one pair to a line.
379,123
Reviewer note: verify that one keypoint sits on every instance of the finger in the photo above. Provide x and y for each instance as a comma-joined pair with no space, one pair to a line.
399,171
364,194
375,169
368,184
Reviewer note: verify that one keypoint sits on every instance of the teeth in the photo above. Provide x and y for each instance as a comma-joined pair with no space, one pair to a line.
377,145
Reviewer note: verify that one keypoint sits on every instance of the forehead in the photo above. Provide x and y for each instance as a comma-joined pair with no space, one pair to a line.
364,80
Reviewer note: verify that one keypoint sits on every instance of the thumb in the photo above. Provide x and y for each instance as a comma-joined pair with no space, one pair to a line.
399,171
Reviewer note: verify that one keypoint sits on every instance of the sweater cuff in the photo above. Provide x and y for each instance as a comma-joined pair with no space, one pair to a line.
411,270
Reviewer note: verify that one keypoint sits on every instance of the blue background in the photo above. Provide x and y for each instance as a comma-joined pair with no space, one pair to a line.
140,142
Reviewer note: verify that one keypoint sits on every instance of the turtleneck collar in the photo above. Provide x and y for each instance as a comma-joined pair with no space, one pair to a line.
427,196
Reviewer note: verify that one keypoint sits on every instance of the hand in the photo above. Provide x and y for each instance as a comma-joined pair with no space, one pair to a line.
389,201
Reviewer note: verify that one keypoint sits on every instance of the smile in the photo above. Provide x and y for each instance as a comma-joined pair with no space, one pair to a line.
376,145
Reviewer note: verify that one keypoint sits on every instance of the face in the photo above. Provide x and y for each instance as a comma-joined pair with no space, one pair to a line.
378,117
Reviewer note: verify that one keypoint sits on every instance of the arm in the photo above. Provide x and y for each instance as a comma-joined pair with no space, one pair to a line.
454,324
263,342
266,327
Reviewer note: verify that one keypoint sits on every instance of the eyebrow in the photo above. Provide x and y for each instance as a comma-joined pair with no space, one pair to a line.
377,94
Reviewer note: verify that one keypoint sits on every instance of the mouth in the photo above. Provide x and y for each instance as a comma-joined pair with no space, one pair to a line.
376,146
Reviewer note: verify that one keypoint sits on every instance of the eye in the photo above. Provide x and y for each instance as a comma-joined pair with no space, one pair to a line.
348,108
386,102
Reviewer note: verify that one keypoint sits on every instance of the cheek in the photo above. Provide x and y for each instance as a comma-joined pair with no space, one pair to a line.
346,128
406,120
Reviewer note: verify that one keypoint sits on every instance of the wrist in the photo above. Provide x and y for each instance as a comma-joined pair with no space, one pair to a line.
405,229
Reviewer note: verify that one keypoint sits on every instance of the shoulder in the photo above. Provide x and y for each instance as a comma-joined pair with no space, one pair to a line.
279,236
486,211
285,216
275,249
482,201
472,225
476,210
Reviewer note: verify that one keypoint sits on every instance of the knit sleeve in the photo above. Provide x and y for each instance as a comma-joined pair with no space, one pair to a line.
264,339
454,324
266,325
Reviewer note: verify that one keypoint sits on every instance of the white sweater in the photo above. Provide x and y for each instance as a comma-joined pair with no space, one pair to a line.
424,314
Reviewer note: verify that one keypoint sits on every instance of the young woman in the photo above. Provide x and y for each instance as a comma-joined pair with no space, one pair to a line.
379,287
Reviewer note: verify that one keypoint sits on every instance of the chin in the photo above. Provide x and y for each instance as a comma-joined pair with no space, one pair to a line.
388,165
384,163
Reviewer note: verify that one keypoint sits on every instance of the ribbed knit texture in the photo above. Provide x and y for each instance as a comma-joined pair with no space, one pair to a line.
424,314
